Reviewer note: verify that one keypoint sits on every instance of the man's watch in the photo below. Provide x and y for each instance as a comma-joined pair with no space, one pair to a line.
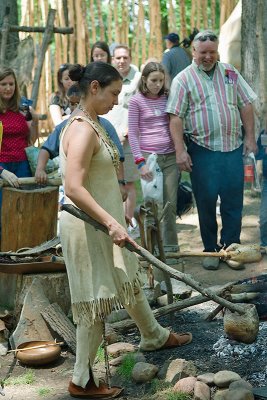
122,182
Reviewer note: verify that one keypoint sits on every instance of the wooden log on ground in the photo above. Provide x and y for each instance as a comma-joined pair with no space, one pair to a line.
60,323
125,325
28,218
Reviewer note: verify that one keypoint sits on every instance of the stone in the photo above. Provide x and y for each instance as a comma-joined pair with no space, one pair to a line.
185,385
116,316
144,372
221,394
31,325
180,289
173,370
240,384
201,391
152,293
207,378
223,378
117,349
111,335
115,362
162,300
239,394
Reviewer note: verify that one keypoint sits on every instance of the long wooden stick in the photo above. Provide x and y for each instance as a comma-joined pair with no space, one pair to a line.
76,212
37,347
32,181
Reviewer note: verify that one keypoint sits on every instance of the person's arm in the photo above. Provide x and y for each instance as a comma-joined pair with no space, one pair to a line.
80,143
122,182
182,157
40,174
134,117
33,126
56,114
247,118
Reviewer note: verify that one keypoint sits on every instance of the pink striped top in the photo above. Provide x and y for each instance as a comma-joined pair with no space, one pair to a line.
148,125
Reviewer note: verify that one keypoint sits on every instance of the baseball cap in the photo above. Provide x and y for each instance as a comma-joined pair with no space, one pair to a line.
172,37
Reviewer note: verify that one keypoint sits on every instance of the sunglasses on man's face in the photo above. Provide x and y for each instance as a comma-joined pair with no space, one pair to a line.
204,37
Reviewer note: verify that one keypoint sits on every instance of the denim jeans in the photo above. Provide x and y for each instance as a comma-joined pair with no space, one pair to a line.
171,175
263,213
214,174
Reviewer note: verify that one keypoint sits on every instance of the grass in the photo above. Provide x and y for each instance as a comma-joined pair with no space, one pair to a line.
26,379
100,355
159,385
44,391
178,396
126,367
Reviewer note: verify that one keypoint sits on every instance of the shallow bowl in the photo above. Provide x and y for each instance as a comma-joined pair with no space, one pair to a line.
38,356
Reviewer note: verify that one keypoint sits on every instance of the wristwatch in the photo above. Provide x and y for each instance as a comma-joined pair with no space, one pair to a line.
122,182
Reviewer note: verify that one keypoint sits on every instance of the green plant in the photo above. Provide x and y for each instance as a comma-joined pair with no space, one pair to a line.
126,367
25,379
100,356
159,385
178,396
44,391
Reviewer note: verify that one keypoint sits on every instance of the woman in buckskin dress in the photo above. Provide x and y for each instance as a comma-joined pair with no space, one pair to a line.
103,275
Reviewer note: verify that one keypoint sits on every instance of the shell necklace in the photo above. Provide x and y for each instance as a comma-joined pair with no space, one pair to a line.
109,144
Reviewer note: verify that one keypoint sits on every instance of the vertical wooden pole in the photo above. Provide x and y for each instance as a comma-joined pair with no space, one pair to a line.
205,14
80,33
141,19
93,24
198,14
72,38
193,14
213,14
116,20
171,17
100,21
86,33
110,36
183,19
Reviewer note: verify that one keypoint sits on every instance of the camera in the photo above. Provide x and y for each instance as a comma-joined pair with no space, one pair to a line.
25,107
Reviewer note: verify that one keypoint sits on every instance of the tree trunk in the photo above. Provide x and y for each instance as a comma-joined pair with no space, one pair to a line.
253,54
12,37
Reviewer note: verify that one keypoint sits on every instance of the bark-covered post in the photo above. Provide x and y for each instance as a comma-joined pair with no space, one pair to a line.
253,54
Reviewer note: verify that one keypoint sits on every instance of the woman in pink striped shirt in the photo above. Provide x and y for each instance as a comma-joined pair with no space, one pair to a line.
148,133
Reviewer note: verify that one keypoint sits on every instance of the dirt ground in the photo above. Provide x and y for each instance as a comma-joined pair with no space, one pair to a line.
51,382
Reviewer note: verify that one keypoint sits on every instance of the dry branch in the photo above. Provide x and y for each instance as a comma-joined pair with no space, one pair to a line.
159,264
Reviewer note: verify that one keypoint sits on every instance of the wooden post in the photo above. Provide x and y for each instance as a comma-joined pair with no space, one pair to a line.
183,20
4,32
29,217
100,21
45,43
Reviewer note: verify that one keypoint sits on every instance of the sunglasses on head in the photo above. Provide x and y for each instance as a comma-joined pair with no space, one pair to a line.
202,37
62,66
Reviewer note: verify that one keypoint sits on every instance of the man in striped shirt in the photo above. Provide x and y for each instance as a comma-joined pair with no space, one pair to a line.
206,102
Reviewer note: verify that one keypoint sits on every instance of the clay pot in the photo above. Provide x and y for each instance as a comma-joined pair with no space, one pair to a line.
242,328
38,356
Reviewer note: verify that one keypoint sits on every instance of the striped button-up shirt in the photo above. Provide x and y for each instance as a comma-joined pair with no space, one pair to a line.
209,105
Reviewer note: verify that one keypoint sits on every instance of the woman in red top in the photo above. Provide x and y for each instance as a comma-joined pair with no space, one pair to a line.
18,133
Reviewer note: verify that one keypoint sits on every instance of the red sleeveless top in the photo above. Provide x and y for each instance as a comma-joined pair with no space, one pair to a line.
15,137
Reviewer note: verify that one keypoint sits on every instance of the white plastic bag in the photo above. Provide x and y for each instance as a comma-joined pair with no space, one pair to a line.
153,190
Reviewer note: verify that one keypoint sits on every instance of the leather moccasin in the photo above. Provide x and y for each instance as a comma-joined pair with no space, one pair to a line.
91,391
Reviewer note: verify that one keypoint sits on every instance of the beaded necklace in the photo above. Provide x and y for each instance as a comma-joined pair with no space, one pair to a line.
110,146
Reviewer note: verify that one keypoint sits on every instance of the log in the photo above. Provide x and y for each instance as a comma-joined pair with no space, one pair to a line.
32,181
28,218
123,326
60,323
159,264
63,31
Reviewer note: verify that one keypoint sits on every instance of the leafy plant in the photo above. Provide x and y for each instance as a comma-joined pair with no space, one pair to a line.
178,396
126,367
44,391
159,385
100,356
25,379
